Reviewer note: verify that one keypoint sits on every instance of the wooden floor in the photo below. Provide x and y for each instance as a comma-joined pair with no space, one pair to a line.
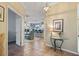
35,48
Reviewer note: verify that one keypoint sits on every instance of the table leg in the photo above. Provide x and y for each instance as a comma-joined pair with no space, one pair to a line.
61,45
55,45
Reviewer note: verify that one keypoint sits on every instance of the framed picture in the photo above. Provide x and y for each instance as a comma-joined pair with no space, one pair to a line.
58,25
1,14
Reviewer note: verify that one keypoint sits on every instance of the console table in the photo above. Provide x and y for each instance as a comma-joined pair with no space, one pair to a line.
53,41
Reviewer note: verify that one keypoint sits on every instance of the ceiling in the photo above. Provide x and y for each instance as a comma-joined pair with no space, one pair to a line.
35,9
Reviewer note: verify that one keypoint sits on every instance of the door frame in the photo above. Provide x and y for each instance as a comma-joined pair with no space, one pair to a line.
77,37
11,8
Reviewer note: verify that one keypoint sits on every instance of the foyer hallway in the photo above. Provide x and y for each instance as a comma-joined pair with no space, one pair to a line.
35,48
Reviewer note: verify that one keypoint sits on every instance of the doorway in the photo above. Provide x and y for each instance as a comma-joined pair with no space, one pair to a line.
14,31
11,27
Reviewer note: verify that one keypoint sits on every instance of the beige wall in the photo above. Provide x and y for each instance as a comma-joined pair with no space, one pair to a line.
4,25
68,12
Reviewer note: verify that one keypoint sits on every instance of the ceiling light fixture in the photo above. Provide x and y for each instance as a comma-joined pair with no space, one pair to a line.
46,7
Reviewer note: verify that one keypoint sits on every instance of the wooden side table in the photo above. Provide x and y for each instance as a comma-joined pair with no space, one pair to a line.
55,44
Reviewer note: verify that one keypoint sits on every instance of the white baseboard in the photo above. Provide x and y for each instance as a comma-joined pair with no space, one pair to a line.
66,50
70,51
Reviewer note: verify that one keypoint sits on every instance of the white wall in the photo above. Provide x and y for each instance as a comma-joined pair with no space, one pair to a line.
69,15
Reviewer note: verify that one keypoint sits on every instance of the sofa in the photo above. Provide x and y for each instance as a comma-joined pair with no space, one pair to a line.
29,35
